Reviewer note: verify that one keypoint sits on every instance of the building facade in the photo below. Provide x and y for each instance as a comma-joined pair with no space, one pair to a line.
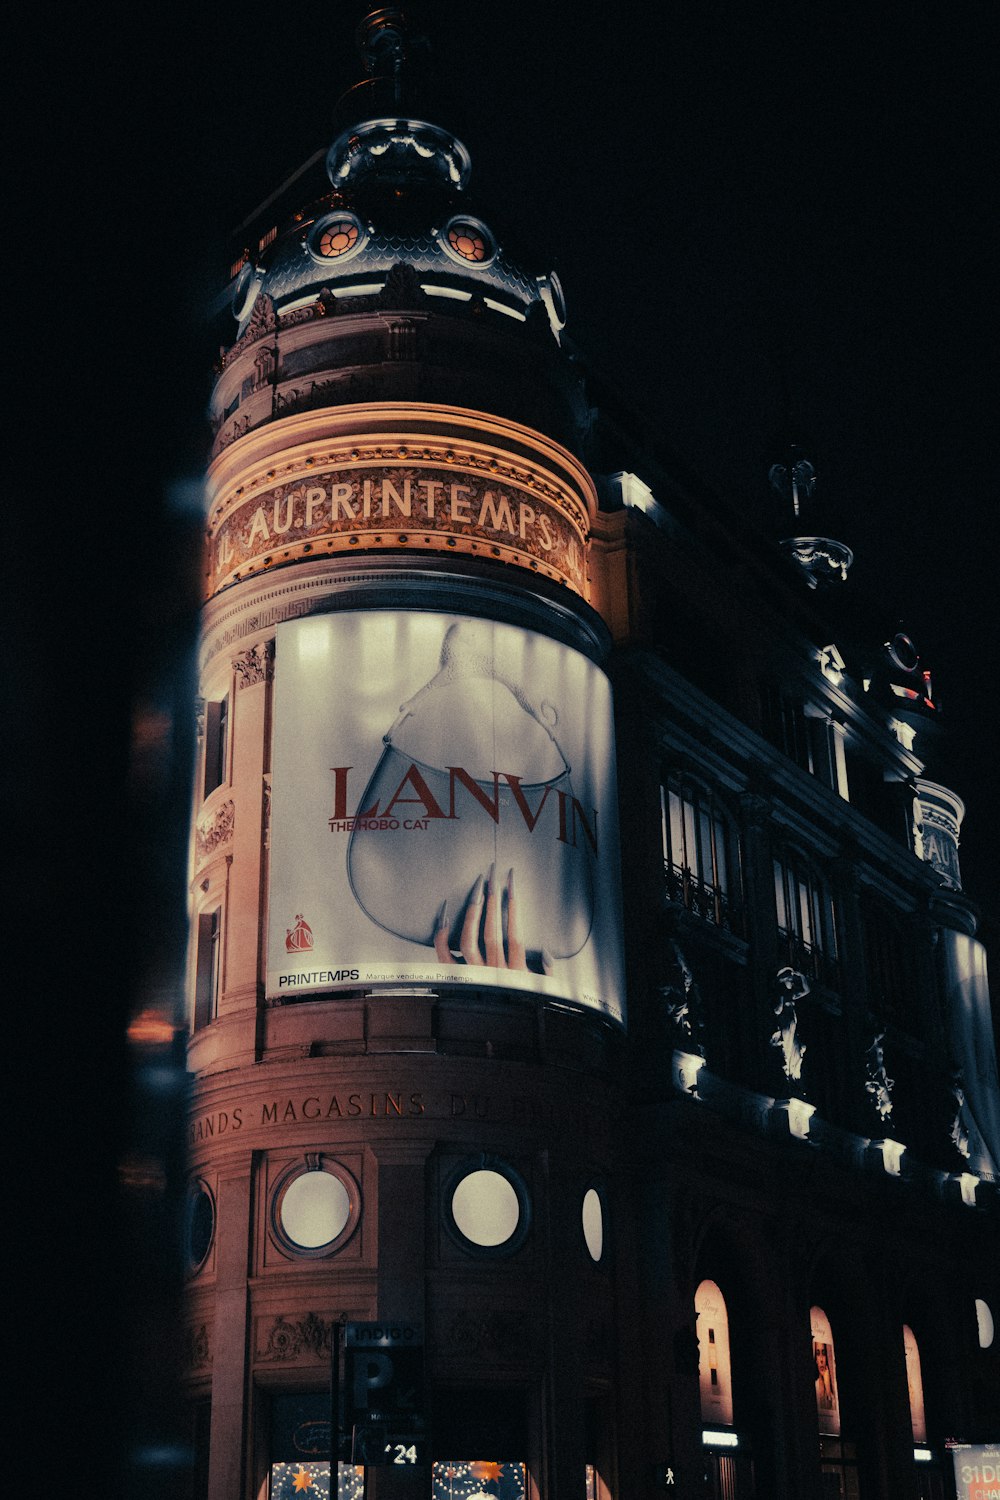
692,1189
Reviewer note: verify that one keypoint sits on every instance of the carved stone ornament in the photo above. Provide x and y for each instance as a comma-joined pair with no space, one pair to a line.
497,1334
792,986
959,1131
879,1085
266,811
215,831
196,1352
682,1000
285,1340
402,287
254,666
823,560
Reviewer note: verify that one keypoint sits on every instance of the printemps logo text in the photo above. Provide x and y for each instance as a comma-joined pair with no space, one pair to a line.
345,505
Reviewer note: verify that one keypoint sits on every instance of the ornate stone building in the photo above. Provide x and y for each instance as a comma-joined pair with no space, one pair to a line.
694,1183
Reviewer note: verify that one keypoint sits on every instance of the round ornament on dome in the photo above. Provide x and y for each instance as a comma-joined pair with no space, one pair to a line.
551,292
903,652
336,236
468,241
249,280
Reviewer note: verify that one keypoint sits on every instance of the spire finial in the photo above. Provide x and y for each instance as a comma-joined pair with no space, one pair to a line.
383,37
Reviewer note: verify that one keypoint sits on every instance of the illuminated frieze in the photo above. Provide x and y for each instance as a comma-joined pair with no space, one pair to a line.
390,505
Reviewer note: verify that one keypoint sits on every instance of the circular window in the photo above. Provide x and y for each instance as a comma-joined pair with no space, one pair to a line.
593,1223
200,1225
315,1209
468,241
985,1320
488,1209
336,236
904,653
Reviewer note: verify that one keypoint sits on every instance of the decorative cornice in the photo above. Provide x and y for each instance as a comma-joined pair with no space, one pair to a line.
263,320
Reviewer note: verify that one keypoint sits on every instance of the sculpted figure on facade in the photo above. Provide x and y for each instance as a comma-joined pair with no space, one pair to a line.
959,1131
792,987
879,1085
682,1000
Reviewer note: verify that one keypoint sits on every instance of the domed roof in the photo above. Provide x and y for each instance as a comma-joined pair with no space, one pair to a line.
398,198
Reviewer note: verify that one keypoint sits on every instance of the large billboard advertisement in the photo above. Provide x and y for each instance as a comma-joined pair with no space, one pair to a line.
443,810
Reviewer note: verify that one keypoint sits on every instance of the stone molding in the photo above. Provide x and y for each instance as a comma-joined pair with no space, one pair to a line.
214,831
285,1338
254,666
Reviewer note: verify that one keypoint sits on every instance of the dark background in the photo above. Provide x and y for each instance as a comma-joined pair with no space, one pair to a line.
754,209
749,206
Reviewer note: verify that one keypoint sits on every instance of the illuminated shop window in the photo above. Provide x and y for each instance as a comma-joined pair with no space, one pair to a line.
914,1385
208,952
825,1373
488,1209
199,1225
335,236
592,1215
478,1479
806,925
314,1209
301,1480
216,743
715,1376
299,1457
700,851
984,1319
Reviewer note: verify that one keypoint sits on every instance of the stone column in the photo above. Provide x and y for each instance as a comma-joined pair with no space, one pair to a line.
230,1332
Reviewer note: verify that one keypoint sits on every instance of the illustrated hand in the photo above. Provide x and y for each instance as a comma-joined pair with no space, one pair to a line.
482,937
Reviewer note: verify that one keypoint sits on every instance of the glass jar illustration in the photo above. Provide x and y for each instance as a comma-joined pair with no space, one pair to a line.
471,777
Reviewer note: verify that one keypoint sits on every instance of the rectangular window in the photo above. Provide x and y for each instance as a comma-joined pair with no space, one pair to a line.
889,966
805,916
696,840
216,744
207,968
784,724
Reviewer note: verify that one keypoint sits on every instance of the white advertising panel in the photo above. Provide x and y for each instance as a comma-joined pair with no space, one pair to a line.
977,1471
443,810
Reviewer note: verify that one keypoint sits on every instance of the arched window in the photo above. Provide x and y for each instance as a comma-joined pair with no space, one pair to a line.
714,1365
807,929
825,1372
838,1453
914,1385
701,856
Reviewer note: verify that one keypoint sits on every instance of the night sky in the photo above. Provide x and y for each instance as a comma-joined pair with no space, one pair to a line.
749,207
